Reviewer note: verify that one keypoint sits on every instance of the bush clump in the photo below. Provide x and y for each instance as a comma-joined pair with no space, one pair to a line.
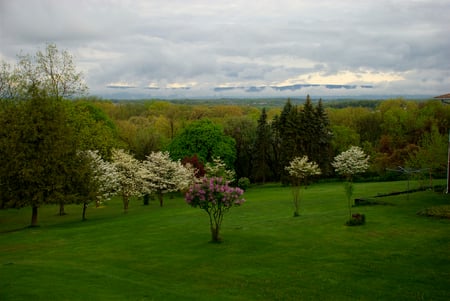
243,183
356,220
436,211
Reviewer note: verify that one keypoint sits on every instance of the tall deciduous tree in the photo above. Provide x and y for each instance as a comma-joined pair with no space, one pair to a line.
51,70
37,151
205,139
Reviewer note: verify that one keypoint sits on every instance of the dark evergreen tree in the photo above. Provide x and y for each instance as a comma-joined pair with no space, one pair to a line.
275,147
243,130
262,150
323,149
288,130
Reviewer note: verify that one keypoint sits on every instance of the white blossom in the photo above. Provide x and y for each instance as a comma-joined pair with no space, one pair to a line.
351,161
129,179
104,176
301,168
162,175
218,169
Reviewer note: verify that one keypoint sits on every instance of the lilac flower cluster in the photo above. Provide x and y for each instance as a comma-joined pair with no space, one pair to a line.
211,192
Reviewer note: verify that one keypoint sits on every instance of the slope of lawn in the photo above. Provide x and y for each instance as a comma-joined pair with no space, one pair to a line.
154,253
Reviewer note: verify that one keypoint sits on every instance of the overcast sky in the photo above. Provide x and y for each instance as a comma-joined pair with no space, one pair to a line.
187,48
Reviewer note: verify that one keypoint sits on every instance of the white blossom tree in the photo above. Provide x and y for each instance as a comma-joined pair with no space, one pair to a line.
218,169
100,180
129,177
162,175
299,169
349,163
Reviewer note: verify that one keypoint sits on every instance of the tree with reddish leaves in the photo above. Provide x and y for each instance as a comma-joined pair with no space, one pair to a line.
196,164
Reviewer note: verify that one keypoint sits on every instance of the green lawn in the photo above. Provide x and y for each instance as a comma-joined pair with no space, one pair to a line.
155,253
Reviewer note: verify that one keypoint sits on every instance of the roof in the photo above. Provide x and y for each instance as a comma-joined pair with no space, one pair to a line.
445,96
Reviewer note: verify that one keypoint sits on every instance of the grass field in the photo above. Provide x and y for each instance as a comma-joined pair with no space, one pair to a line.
155,253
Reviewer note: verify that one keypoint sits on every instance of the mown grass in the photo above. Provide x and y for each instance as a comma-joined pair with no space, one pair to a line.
155,253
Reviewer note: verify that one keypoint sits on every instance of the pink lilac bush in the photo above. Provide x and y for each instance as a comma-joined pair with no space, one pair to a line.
216,197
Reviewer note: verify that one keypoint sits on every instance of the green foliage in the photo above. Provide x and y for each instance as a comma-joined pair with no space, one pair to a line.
243,183
37,153
93,128
243,130
206,140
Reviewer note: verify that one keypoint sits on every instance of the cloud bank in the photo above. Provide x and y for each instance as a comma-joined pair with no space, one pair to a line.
241,48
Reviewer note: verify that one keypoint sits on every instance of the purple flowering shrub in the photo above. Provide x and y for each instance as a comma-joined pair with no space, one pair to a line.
215,197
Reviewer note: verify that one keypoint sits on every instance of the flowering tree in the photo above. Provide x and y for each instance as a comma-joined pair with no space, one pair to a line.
218,169
215,197
100,180
162,175
129,178
349,163
299,169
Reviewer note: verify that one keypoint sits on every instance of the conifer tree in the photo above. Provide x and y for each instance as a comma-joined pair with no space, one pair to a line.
261,149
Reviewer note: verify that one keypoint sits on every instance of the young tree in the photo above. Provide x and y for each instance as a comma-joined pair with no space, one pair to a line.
347,164
98,179
299,169
162,175
129,176
215,197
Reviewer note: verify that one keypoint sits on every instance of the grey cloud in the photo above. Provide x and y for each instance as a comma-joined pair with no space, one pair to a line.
241,43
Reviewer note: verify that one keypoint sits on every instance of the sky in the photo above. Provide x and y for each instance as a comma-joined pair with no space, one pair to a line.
204,48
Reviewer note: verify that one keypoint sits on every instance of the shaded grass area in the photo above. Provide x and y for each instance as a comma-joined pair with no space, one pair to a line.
155,253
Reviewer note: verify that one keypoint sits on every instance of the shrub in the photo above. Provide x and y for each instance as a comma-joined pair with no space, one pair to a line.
244,183
215,197
356,220
436,211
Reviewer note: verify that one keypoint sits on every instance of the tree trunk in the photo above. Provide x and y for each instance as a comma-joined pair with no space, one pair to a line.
125,205
160,198
215,234
146,199
34,216
84,211
61,209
